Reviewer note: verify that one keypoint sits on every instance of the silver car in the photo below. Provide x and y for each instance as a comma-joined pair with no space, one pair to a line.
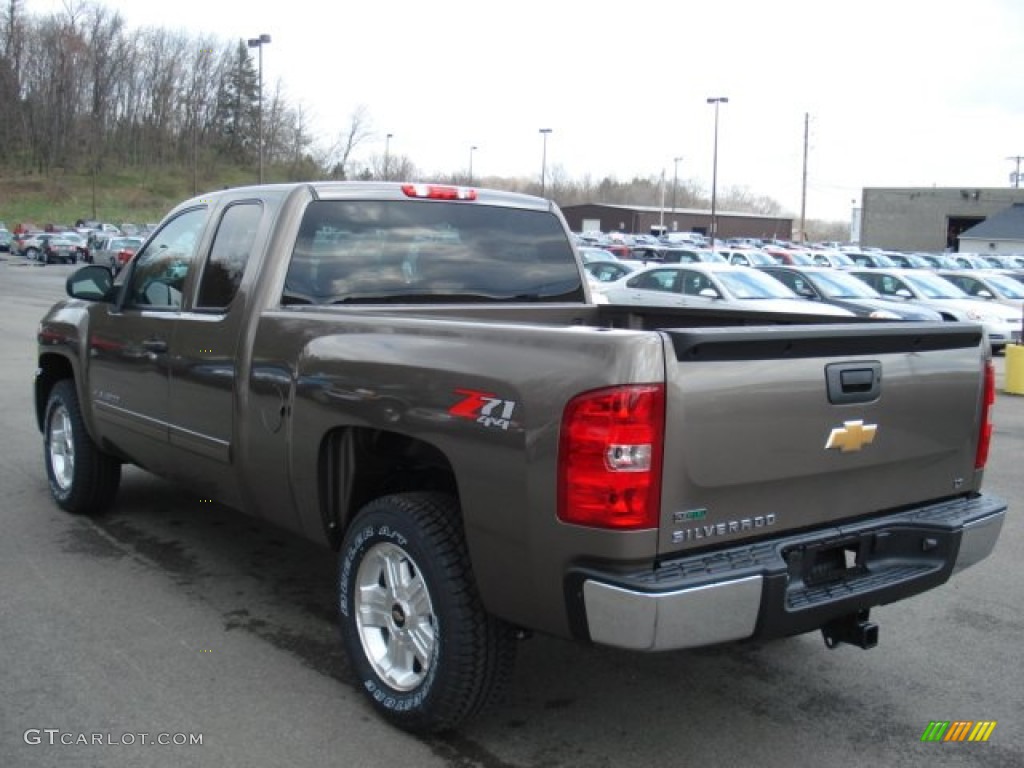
712,286
1002,323
988,285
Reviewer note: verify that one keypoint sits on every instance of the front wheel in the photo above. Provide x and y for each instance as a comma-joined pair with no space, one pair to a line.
419,640
83,479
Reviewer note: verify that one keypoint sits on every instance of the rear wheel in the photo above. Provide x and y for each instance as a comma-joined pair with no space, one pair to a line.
83,479
422,645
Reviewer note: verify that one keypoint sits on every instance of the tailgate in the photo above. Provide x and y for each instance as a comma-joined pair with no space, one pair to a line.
786,428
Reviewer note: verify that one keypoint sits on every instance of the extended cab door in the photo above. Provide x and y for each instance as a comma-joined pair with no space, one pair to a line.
205,347
129,343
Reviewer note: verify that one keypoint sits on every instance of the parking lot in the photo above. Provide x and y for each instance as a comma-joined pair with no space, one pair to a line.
176,617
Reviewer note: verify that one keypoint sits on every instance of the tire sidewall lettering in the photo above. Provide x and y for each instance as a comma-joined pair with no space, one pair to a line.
384,696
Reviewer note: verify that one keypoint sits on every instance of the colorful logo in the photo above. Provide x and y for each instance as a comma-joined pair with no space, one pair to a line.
484,408
958,730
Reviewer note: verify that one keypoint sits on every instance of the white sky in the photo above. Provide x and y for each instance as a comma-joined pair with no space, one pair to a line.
899,92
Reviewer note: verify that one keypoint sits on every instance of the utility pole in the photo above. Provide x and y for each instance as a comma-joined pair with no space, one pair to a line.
258,43
1015,176
675,182
803,191
661,221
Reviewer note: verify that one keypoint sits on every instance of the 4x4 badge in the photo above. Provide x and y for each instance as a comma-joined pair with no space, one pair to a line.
852,436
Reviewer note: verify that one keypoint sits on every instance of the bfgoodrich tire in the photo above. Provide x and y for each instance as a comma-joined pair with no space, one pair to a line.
420,642
83,479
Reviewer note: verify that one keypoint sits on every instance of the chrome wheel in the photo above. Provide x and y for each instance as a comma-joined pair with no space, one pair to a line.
395,616
60,442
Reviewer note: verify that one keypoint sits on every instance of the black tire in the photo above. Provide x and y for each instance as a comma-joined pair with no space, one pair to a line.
32,254
429,656
83,479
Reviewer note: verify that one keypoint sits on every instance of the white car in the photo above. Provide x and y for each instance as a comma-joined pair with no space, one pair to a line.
712,286
988,285
1002,323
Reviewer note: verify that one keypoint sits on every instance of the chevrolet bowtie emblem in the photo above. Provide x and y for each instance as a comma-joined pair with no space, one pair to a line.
852,436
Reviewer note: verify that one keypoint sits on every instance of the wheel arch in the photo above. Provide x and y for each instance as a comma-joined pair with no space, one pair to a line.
52,368
357,464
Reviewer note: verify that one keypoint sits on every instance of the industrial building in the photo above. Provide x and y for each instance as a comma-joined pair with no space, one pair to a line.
639,219
929,218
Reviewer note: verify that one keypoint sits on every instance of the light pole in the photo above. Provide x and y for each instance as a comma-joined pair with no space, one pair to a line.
544,161
471,151
675,182
259,42
387,157
716,100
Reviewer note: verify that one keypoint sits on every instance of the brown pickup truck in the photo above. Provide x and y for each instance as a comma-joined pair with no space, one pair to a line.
417,377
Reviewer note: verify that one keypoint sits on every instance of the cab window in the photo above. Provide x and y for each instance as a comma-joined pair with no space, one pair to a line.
158,278
232,246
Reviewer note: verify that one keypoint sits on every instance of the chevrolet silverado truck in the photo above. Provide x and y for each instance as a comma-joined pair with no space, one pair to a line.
417,377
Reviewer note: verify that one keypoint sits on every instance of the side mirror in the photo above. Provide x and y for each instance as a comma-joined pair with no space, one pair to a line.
903,293
92,283
709,293
984,294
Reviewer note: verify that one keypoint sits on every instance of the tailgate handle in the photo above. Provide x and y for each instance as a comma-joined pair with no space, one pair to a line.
859,382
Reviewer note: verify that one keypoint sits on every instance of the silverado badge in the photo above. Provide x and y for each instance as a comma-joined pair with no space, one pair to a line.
852,436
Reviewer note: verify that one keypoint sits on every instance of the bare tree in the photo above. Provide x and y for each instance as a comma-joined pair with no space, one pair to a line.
339,155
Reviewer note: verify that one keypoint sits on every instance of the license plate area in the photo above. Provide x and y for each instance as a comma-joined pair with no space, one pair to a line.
830,561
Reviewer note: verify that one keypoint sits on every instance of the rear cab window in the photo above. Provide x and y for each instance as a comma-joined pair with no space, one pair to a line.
407,251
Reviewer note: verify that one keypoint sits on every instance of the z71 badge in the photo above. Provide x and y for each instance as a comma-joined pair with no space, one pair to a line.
484,408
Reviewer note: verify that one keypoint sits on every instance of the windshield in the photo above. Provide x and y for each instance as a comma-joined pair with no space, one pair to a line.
753,285
588,253
1007,286
839,285
759,258
932,286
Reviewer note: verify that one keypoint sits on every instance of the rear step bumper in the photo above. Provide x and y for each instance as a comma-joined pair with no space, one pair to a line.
783,586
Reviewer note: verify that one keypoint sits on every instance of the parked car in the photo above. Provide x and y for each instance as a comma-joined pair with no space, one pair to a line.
874,259
116,251
81,244
748,257
676,255
841,289
27,244
604,272
5,240
786,256
58,248
971,261
593,253
1005,260
718,286
833,258
907,260
1002,323
938,260
991,286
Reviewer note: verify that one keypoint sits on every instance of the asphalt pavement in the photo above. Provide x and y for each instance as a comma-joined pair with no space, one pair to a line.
174,620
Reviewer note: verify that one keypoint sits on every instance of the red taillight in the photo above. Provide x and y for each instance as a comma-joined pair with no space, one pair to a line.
609,457
438,192
987,401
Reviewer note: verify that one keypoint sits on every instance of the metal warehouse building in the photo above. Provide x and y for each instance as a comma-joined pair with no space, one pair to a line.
639,219
928,218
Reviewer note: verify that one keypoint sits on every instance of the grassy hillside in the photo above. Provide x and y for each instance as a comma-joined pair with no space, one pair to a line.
133,196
